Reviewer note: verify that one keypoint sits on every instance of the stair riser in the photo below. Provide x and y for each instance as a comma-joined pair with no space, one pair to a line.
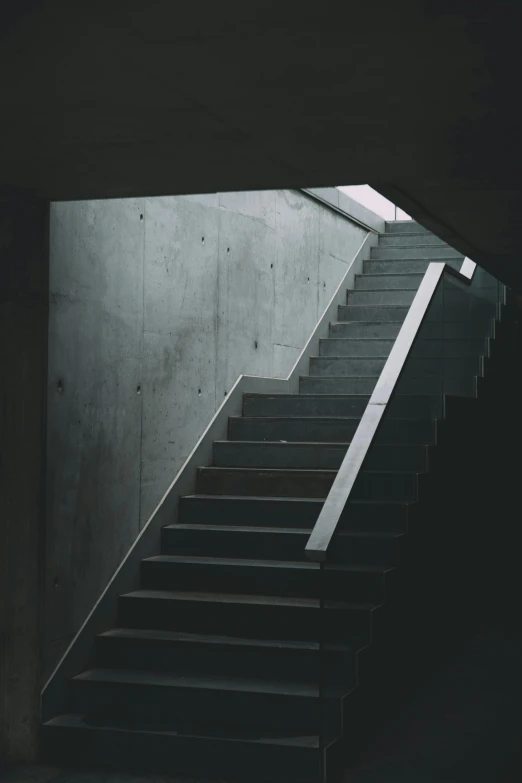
256,621
431,253
285,513
186,658
302,484
346,367
297,405
459,386
423,367
451,348
376,298
366,330
414,266
328,431
278,546
355,347
390,240
388,281
205,757
306,405
310,384
405,227
327,457
148,704
455,330
257,580
372,313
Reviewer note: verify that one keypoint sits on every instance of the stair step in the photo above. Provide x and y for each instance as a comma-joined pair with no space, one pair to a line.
405,227
146,699
366,329
433,366
299,482
258,616
309,384
449,347
69,739
349,366
389,281
291,512
299,579
411,239
355,346
186,653
381,296
278,543
326,456
327,429
350,405
412,266
373,312
422,252
460,386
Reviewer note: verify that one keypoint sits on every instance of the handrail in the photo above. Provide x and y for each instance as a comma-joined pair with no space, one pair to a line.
324,529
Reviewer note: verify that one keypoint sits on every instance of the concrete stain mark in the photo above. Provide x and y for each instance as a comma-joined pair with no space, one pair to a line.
338,258
249,217
285,345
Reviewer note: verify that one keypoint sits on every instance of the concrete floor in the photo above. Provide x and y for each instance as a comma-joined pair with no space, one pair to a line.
465,726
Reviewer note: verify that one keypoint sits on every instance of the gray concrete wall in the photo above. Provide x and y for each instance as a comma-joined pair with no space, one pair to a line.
156,306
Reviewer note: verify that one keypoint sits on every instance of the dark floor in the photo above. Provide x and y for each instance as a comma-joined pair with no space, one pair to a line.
465,727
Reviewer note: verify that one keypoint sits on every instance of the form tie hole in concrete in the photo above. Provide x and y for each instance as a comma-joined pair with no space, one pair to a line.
199,392
225,394
141,217
60,386
138,389
255,344
271,266
308,279
202,240
228,250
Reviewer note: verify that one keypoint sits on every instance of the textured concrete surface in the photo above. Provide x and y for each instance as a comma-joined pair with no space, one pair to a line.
156,307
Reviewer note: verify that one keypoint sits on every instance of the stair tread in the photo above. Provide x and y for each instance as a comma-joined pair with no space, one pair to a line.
240,598
78,721
285,396
318,501
208,682
328,471
302,565
391,274
233,641
318,418
281,530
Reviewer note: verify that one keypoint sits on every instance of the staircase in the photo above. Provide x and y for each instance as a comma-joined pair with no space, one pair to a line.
214,667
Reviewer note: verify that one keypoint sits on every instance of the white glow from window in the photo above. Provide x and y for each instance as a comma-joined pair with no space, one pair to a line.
369,197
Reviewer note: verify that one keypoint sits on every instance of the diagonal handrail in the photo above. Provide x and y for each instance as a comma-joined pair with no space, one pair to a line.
325,527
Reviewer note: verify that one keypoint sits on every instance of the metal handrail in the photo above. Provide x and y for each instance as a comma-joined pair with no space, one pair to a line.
324,528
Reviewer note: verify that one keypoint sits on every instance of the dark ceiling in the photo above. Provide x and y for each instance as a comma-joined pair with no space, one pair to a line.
418,98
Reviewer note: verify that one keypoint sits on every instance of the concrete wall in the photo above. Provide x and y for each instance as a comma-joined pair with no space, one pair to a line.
156,306
24,258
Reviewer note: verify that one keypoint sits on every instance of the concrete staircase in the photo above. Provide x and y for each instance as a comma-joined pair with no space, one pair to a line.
214,669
